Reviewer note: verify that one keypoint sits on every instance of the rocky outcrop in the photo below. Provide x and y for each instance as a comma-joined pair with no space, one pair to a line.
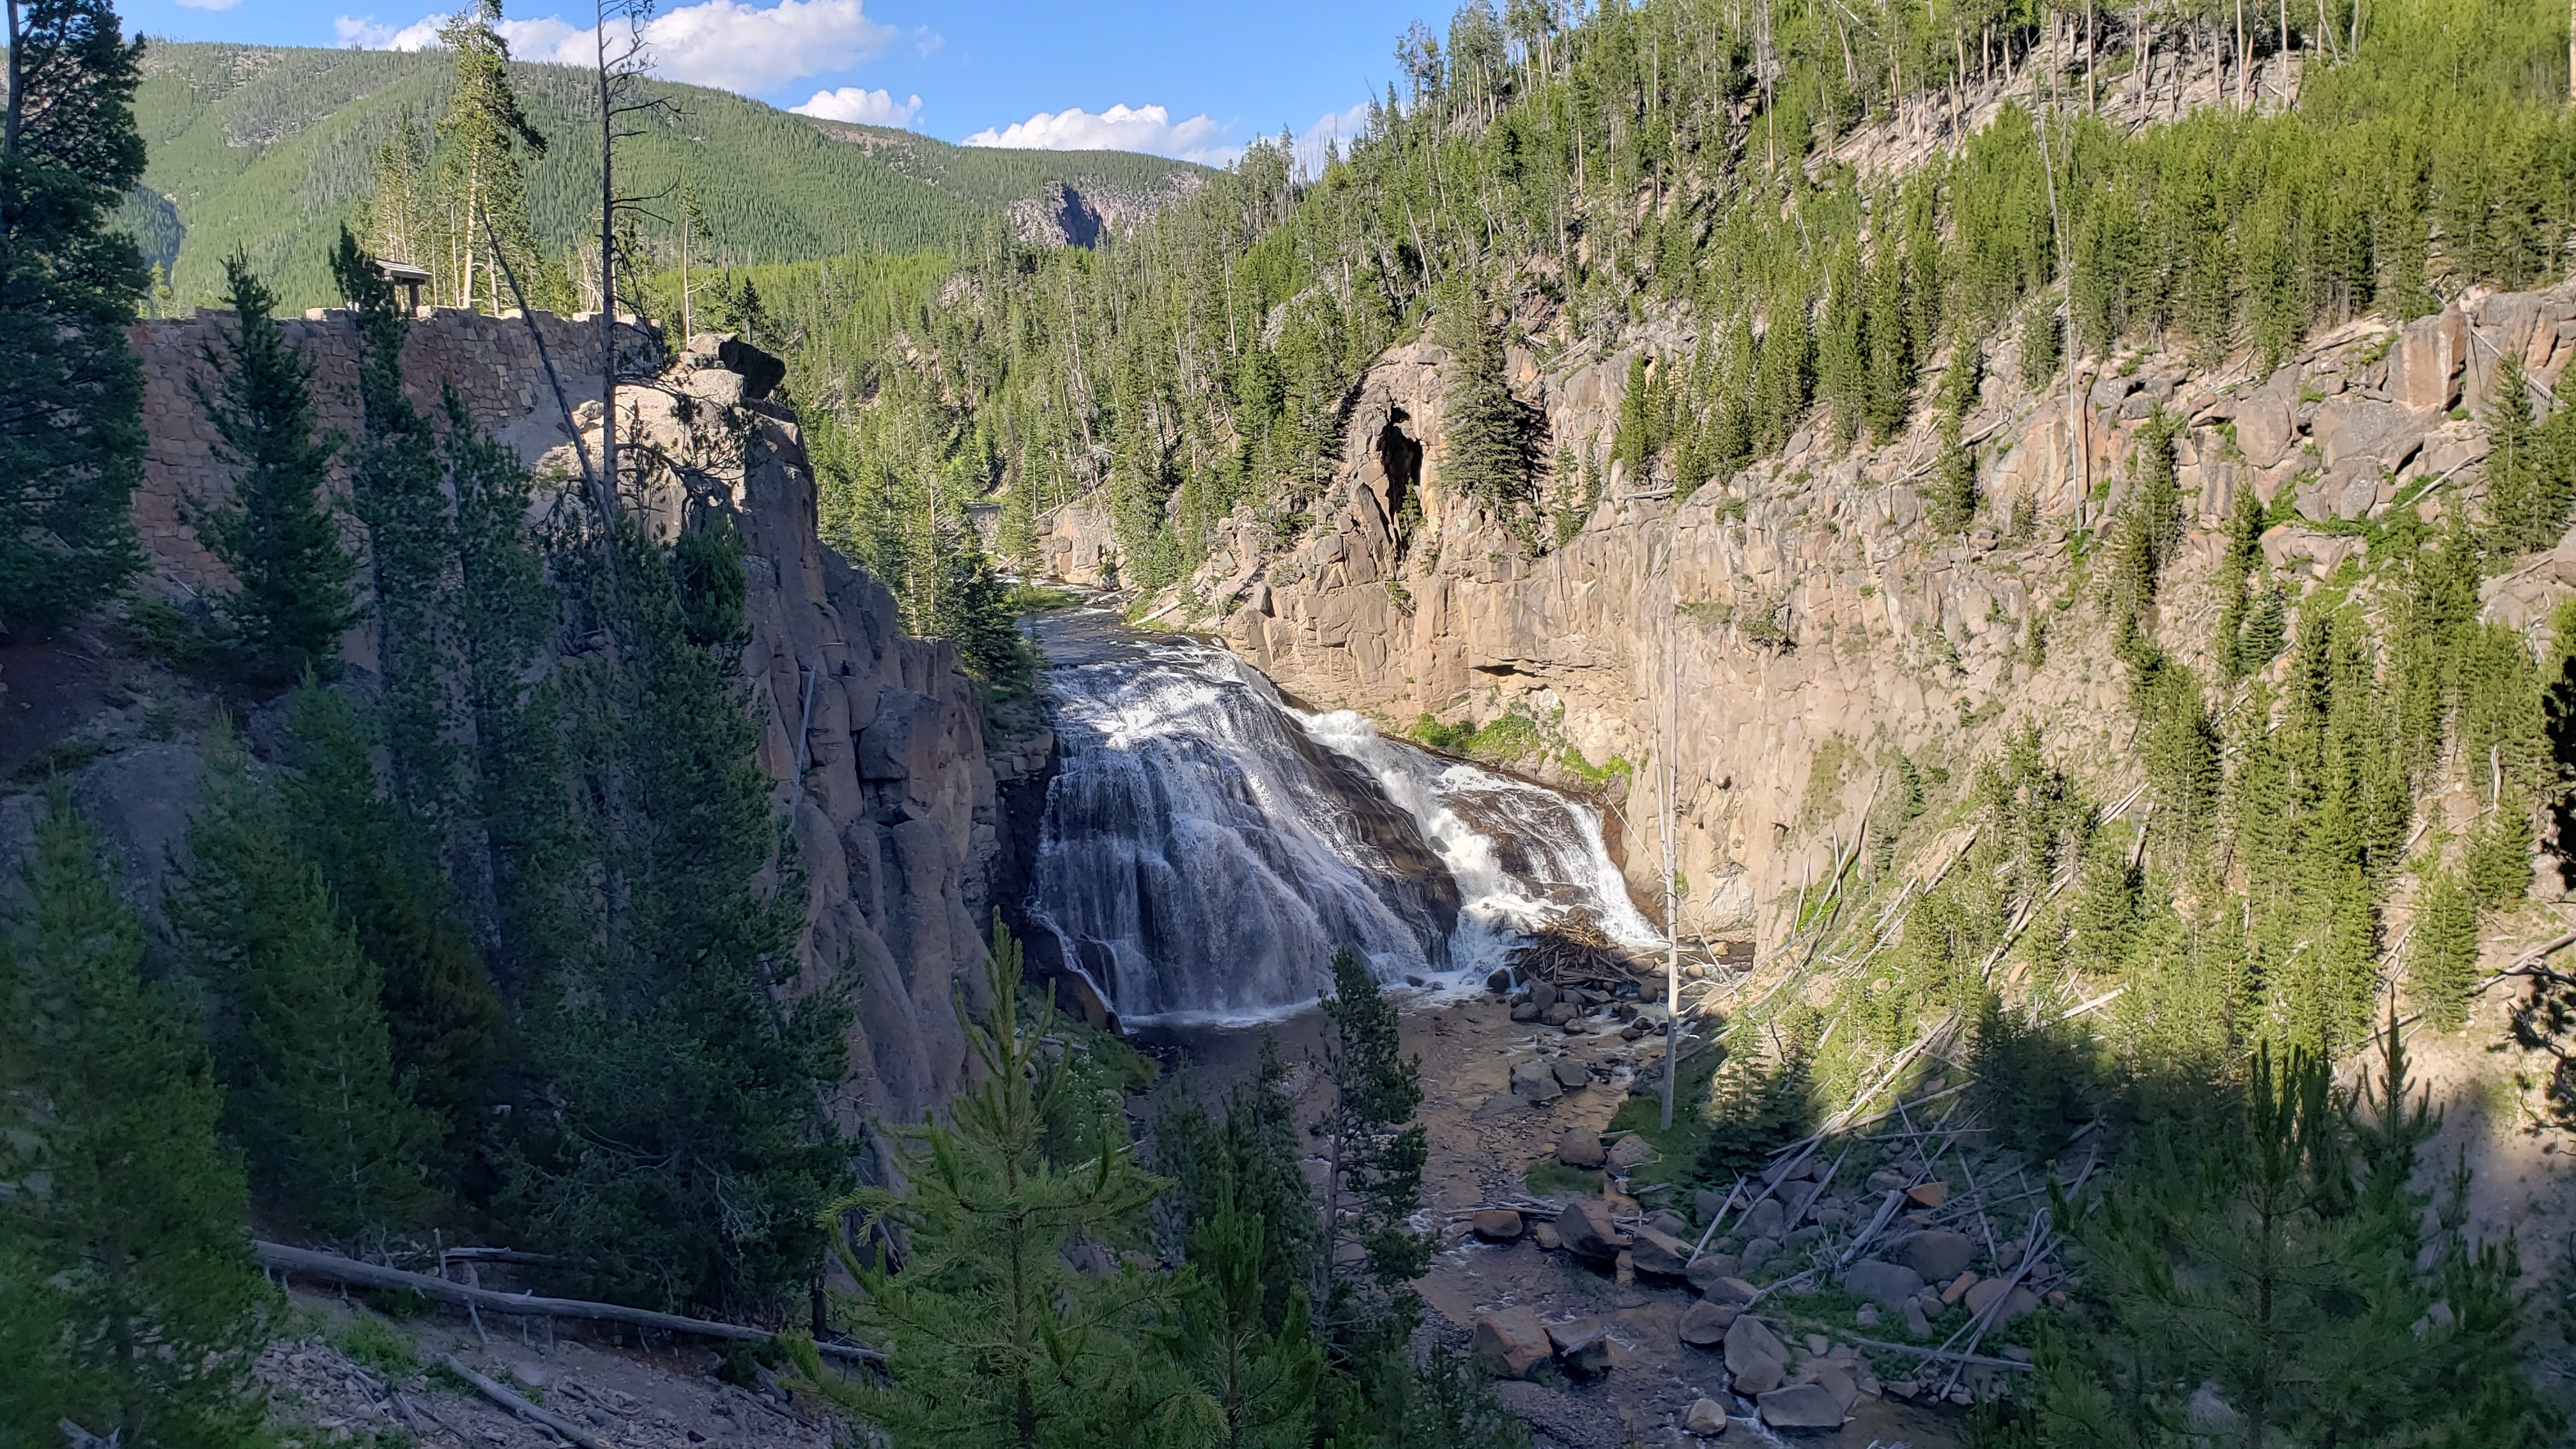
1804,618
875,739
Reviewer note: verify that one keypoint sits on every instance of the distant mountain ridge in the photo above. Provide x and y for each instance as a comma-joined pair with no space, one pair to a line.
268,149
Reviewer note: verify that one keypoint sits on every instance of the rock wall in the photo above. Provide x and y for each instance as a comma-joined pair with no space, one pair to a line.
875,739
1804,617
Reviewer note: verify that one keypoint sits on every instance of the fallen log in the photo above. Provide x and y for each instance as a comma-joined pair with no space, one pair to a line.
521,1407
1942,1354
332,1268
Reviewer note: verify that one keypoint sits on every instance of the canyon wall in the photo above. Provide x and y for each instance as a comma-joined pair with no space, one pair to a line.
1804,618
875,739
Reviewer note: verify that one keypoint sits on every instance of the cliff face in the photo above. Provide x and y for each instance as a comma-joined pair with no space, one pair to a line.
875,739
1806,616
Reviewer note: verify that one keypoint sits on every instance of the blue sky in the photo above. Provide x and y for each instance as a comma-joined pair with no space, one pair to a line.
1194,81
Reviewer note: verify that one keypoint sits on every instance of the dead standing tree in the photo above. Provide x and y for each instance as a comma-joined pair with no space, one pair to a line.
625,60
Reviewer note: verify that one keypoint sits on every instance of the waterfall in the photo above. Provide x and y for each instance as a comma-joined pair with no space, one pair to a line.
1207,846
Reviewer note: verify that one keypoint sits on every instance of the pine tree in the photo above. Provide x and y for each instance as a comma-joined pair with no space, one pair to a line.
2443,966
446,1024
479,171
1254,1373
1369,1137
1492,441
334,1138
132,1303
292,598
71,428
990,1335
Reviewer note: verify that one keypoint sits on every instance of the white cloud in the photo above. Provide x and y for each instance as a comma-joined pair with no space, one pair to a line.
725,43
361,32
209,4
866,108
1149,129
1339,126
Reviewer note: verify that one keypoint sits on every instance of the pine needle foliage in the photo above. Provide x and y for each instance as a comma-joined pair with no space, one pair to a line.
132,1305
275,533
71,424
991,1335
335,1140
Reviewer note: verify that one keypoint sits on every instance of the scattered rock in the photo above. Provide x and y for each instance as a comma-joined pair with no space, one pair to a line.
1570,1073
1866,1316
1542,995
1758,1251
1939,1254
1801,1406
1817,1343
1583,1345
1580,1147
1705,1323
2020,1301
1561,1014
1706,1205
1888,1283
1705,1272
1706,1419
1510,1342
1915,1322
1497,1225
1958,1285
1534,1081
1665,1220
1546,1236
1929,1195
1835,1380
1755,1358
1887,1179
1659,1253
1631,1150
1560,1417
1525,1010
1588,1232
1764,1220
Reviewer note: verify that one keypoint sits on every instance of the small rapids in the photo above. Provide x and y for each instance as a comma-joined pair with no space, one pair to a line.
1206,846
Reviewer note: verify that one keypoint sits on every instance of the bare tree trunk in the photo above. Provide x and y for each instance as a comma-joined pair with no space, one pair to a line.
2244,58
607,272
17,88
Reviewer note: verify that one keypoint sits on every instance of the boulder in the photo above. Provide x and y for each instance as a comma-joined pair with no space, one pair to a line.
1755,1357
1836,1380
1561,1014
1800,1406
1631,1150
1887,1179
1509,1342
1865,1316
1580,1147
1546,1236
2014,1305
1882,1282
2264,428
2361,428
1709,1270
1706,1418
1957,1288
1525,1011
1706,1205
1570,1073
1659,1253
1534,1081
1665,1220
1496,1225
1764,1219
1756,1253
1705,1323
1542,995
1939,1254
1928,1195
1583,1345
1915,1322
1588,1232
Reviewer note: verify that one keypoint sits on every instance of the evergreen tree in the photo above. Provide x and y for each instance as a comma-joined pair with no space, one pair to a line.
991,1336
1375,1149
680,1154
479,170
128,1299
71,425
1253,1373
2443,968
446,1024
1249,1162
275,533
1492,440
334,1138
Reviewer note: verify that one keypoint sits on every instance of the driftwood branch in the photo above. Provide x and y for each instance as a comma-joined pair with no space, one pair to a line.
330,1267
521,1407
1942,1354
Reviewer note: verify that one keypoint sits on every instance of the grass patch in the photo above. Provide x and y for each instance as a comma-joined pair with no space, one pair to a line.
376,1344
1512,735
1034,598
1548,1177
59,758
1616,767
1677,1150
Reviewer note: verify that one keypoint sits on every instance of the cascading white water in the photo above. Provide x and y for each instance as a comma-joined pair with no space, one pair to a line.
1207,846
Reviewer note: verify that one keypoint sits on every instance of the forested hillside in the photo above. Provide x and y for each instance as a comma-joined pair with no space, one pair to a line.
269,150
